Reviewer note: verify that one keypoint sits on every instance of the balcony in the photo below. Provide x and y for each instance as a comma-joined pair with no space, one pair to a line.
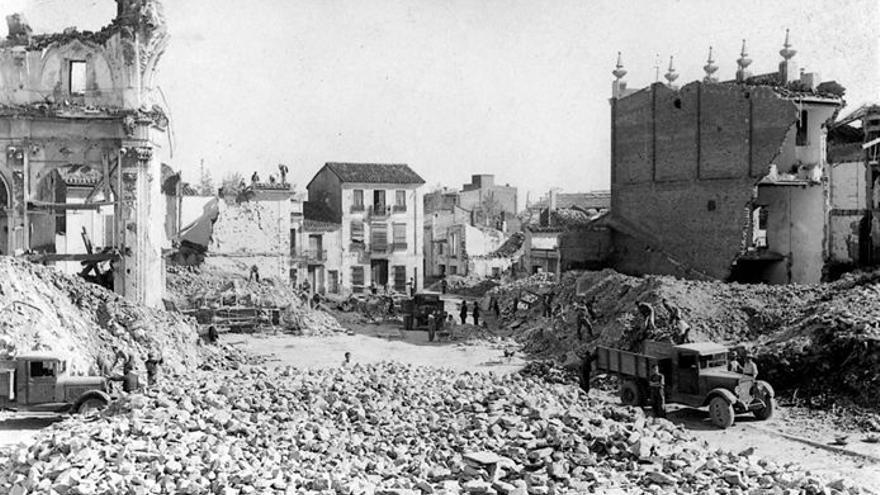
380,211
358,208
315,255
399,246
399,208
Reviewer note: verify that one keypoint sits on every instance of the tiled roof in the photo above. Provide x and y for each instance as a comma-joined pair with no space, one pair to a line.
592,200
79,175
375,173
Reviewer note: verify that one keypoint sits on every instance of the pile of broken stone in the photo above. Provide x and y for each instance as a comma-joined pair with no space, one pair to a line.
382,429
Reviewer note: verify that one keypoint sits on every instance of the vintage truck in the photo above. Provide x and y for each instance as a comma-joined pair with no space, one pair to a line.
696,375
415,311
41,382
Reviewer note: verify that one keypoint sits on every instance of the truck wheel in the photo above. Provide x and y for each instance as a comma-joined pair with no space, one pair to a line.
721,412
629,393
767,411
91,404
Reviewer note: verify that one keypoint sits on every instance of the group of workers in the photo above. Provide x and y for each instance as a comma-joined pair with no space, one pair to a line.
129,378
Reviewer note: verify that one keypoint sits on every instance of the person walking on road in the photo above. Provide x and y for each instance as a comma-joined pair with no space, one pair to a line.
463,312
657,384
476,313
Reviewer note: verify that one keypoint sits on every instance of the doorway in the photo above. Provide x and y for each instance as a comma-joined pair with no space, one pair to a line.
5,206
379,272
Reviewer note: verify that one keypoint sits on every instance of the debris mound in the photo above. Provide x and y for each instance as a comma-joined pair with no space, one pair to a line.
383,429
42,309
193,289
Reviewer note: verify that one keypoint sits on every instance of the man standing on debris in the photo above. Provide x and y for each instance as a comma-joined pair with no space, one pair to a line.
476,313
548,304
346,363
129,379
647,312
586,370
583,320
462,313
213,336
657,384
411,285
496,308
255,274
153,362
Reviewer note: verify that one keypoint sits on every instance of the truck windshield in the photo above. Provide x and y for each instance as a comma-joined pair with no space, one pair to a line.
713,361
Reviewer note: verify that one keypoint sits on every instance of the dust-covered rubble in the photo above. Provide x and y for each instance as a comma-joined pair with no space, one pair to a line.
381,429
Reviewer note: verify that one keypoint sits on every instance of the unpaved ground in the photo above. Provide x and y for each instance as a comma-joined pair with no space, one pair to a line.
373,343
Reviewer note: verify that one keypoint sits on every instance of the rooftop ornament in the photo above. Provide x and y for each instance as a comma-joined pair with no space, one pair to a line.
619,72
710,68
671,75
743,62
787,51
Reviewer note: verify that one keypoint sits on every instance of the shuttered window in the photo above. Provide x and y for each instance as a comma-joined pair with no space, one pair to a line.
357,278
379,236
357,231
400,278
399,236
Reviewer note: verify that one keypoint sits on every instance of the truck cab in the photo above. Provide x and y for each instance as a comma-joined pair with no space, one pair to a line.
41,382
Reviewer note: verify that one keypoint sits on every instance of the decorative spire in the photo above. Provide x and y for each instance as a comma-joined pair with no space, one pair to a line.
710,68
671,75
619,71
787,51
744,61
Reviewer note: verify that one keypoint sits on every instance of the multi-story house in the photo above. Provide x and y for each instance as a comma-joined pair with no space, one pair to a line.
378,208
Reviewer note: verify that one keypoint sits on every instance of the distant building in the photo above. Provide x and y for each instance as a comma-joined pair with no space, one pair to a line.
379,209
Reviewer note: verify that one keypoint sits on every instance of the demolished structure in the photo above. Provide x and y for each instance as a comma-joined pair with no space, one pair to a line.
77,101
731,180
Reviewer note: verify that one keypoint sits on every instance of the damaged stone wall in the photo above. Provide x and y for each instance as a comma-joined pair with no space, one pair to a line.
252,233
684,167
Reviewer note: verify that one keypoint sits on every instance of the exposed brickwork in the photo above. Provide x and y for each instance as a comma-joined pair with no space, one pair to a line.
713,141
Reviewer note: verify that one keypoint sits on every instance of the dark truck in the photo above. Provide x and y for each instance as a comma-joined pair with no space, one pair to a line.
40,382
696,375
415,311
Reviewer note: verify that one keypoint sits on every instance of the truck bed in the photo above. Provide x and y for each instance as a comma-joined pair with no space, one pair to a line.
623,362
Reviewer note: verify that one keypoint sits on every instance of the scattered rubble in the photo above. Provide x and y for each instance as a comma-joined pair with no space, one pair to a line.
46,310
382,429
191,288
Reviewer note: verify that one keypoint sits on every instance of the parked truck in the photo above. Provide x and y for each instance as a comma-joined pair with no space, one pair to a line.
696,375
416,310
41,382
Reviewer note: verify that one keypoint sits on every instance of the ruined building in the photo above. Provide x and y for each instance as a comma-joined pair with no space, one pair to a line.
728,180
76,101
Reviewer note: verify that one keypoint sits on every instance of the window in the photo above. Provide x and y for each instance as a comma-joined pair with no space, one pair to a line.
399,278
357,278
292,242
400,201
802,139
41,369
440,248
357,203
379,205
453,270
379,236
77,77
399,236
357,232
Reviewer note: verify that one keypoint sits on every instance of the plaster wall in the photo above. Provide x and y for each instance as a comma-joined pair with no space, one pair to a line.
795,229
848,197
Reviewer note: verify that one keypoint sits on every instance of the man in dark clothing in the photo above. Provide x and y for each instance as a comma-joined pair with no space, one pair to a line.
496,308
657,384
153,362
548,304
586,369
213,336
444,286
255,274
129,379
463,312
476,313
583,320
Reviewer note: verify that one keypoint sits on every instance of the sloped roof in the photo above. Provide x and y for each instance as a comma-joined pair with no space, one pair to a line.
375,173
79,175
590,200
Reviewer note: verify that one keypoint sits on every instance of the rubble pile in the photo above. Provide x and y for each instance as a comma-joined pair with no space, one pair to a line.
42,309
383,429
195,288
469,286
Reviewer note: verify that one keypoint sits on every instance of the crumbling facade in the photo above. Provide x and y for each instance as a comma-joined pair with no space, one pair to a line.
379,209
86,99
723,179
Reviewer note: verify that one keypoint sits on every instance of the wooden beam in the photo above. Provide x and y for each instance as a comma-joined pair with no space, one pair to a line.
42,205
42,258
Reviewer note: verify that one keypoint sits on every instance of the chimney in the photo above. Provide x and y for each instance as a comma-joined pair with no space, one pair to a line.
551,203
788,71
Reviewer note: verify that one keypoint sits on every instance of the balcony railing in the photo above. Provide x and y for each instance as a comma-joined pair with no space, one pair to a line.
399,246
380,210
357,208
399,208
315,255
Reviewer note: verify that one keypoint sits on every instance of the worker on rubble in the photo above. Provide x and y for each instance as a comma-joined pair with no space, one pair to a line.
495,307
152,364
749,368
657,384
213,336
586,370
130,380
548,304
462,313
346,363
583,320
444,285
648,326
476,313
254,274
255,178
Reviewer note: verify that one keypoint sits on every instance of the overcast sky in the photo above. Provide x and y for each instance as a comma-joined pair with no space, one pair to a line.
454,87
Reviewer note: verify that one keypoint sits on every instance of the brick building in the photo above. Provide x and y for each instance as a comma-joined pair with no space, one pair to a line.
724,179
